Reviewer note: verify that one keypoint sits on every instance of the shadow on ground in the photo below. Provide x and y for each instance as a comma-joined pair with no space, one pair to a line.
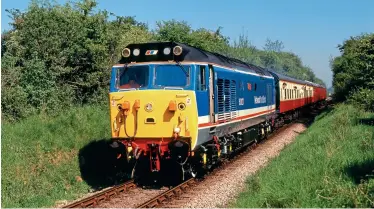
361,171
311,115
99,165
366,121
322,113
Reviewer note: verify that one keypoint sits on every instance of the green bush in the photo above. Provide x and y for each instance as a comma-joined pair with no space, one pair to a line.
353,71
56,56
363,97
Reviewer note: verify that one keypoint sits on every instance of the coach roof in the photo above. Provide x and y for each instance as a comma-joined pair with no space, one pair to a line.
288,78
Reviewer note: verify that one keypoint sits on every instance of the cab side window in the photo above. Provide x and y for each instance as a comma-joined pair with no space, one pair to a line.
201,78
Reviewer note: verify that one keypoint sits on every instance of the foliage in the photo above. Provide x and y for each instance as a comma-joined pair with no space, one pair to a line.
362,97
59,56
353,71
274,46
322,168
180,31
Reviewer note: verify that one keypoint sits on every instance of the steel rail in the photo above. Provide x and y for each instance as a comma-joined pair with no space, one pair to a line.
168,195
96,199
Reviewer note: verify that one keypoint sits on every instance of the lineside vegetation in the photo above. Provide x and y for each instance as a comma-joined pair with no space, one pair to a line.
330,165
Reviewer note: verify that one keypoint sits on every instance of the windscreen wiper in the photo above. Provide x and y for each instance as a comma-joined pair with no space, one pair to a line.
184,70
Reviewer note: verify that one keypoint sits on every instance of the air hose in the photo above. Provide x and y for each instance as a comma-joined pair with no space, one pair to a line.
136,124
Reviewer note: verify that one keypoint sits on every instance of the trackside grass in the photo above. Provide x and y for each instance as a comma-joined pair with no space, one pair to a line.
40,156
330,165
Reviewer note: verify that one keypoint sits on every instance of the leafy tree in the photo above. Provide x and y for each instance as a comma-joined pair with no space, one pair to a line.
273,46
353,71
178,31
57,56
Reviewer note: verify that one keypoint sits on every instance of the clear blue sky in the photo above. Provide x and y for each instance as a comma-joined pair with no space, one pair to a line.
310,28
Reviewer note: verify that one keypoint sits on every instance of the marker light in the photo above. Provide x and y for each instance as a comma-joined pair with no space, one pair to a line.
172,106
167,51
136,52
177,50
126,52
177,130
148,107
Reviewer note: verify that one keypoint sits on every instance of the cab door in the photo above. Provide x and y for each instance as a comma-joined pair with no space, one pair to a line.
203,93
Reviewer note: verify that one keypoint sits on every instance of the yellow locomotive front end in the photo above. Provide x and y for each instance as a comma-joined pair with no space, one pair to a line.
153,111
153,114
149,122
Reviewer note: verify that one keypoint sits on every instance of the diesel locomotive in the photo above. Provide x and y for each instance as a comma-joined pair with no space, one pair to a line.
177,106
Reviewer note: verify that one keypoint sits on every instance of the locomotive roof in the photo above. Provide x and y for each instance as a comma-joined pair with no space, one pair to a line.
189,53
288,78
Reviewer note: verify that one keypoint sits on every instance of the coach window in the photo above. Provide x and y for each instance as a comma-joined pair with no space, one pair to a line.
201,79
287,97
285,94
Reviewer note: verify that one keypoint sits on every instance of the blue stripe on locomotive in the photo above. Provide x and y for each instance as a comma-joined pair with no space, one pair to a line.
241,79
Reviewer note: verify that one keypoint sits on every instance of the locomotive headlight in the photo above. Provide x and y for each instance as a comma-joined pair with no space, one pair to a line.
177,50
136,52
177,130
167,51
181,106
126,52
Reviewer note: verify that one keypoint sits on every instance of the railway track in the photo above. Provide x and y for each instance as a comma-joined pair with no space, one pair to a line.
96,199
169,195
162,198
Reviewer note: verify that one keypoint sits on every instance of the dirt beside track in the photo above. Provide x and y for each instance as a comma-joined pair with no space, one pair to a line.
218,189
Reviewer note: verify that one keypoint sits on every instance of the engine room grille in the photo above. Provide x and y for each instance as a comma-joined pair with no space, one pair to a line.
227,101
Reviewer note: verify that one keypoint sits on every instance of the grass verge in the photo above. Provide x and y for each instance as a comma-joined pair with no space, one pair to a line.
330,165
40,156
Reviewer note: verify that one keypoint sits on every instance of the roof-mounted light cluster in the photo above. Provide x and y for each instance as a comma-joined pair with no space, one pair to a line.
126,52
177,50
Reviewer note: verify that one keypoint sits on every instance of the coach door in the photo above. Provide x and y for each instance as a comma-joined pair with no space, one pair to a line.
211,95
